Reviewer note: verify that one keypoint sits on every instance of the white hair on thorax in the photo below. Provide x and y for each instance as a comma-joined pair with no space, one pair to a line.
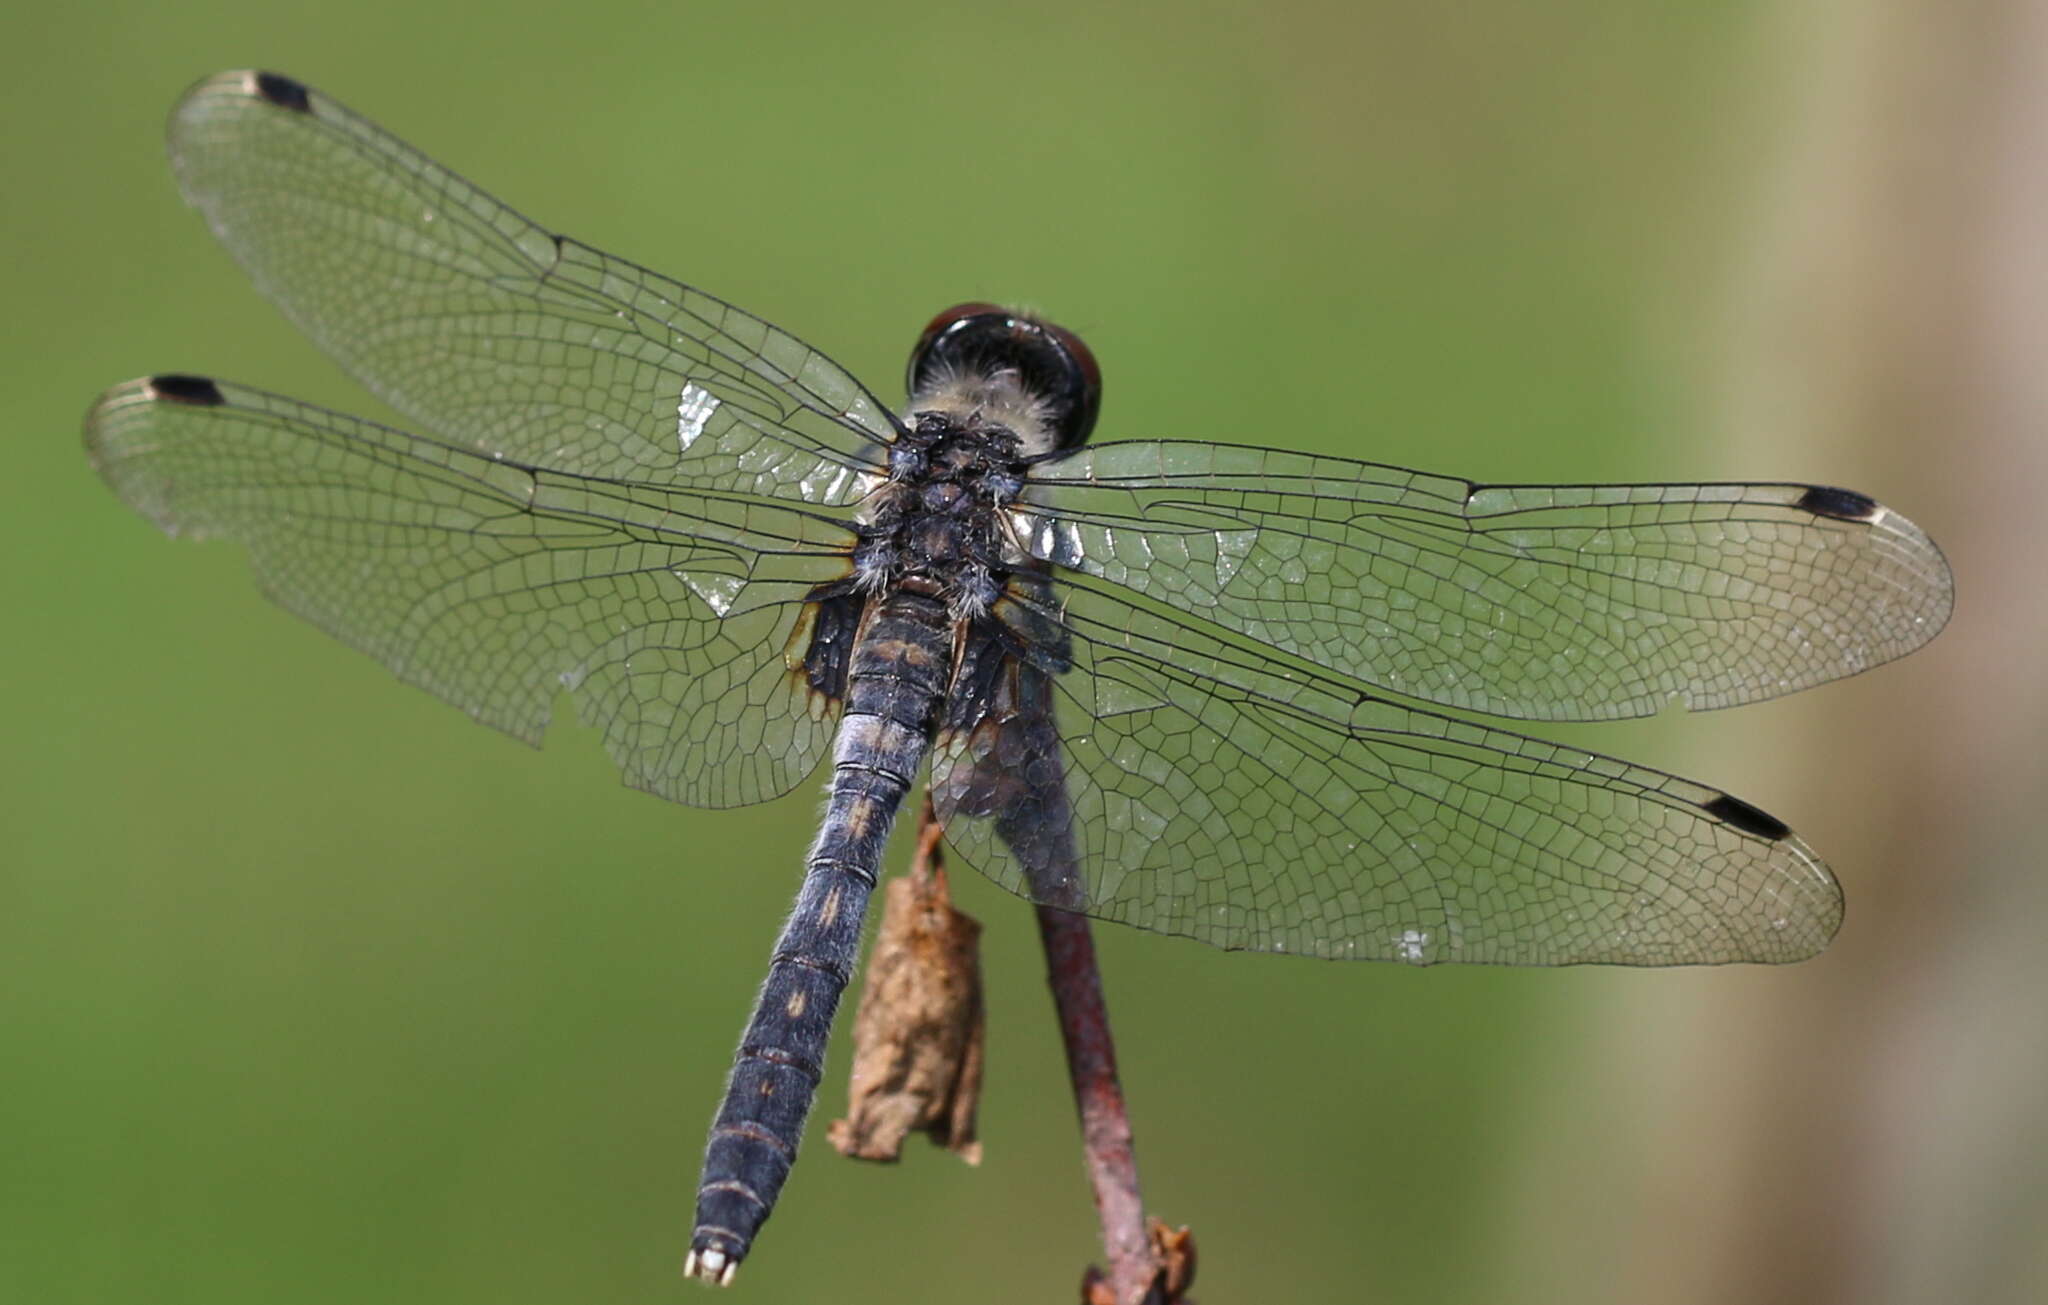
999,397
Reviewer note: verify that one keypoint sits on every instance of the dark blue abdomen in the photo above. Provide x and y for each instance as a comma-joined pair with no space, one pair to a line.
896,676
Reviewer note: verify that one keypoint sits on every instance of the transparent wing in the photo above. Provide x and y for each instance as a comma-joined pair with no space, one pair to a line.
1131,765
675,619
1551,602
496,333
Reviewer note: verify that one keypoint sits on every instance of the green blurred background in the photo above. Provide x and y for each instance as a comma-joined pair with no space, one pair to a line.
310,990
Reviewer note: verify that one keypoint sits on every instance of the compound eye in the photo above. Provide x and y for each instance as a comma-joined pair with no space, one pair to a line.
960,313
953,317
1085,400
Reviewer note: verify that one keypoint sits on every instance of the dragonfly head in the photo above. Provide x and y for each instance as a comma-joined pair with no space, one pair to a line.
1050,376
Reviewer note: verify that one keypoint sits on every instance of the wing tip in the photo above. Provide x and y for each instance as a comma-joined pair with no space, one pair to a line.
1810,906
121,435
1920,569
165,387
241,86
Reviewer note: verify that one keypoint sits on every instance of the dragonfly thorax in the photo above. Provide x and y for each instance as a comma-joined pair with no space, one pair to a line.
936,523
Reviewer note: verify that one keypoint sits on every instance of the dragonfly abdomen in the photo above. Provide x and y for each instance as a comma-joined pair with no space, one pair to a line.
897,674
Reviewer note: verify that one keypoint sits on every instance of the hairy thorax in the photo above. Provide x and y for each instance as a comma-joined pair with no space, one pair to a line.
937,524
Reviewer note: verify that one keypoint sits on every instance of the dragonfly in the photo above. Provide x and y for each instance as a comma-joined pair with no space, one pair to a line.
1201,688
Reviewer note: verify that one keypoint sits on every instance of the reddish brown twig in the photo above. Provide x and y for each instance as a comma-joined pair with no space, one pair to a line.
918,1057
1141,1272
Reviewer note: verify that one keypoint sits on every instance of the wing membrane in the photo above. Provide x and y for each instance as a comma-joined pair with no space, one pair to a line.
636,488
669,616
494,332
1185,783
1553,602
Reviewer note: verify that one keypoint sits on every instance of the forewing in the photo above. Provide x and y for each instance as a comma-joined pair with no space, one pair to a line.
496,333
1185,784
1552,602
675,619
